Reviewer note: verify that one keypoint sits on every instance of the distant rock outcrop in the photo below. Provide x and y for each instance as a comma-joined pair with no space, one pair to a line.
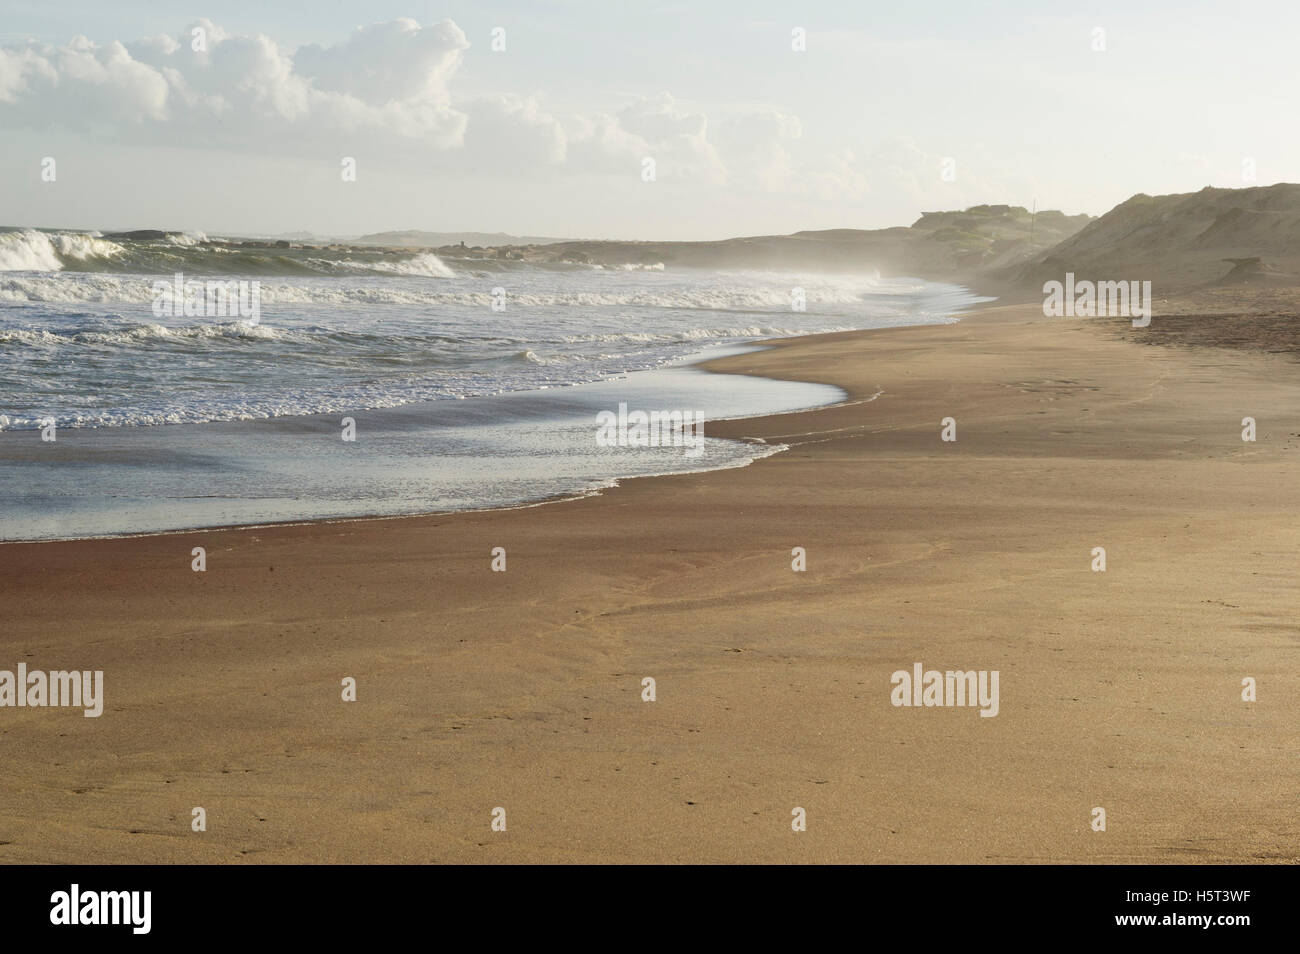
414,238
137,235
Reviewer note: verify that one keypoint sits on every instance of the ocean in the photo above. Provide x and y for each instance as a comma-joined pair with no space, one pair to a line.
470,382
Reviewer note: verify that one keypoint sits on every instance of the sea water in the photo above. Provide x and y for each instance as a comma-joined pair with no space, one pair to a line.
470,382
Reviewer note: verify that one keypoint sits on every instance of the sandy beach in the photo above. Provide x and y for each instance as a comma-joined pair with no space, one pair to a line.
523,690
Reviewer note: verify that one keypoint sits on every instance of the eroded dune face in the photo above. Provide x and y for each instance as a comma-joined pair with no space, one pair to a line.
1186,240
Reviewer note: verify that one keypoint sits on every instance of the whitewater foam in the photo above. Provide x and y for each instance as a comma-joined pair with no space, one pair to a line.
87,287
82,344
27,251
426,264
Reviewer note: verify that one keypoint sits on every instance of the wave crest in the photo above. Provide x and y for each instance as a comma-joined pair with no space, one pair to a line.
132,334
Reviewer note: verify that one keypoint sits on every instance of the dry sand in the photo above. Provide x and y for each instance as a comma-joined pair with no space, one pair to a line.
523,689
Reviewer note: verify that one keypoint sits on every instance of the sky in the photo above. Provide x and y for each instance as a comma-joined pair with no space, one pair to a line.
887,110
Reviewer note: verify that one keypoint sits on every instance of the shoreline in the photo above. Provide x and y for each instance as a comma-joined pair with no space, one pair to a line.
732,408
523,689
162,505
676,384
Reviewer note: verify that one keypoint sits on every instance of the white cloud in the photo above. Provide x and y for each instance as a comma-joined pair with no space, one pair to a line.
19,69
386,92
512,132
653,127
389,81
399,61
757,144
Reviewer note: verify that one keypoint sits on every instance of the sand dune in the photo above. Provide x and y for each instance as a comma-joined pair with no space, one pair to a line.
1183,241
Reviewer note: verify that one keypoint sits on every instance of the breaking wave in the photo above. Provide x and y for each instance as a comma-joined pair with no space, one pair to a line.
348,328
109,288
30,250
34,251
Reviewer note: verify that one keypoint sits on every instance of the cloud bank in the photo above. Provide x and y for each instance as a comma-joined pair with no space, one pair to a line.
386,92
